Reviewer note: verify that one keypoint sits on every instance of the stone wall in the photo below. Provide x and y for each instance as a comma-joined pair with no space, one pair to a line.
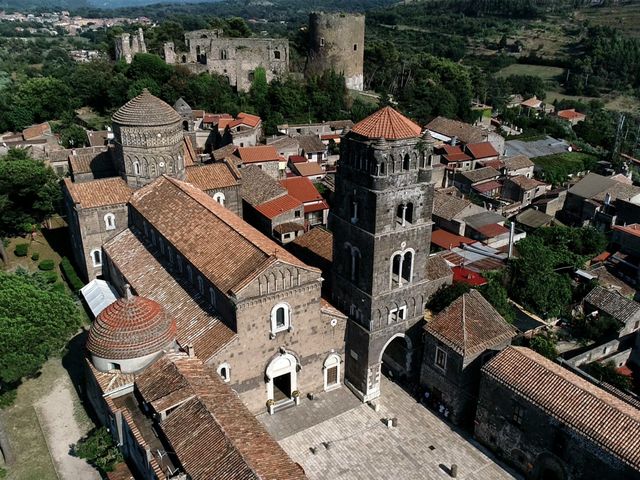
539,445
127,45
336,42
232,198
313,336
87,230
233,58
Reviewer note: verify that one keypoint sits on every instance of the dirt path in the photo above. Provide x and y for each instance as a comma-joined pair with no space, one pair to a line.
62,429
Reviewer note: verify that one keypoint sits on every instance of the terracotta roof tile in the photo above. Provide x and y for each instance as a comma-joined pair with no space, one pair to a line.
387,123
258,154
570,114
187,217
146,110
131,327
301,188
259,187
470,325
633,229
480,174
517,162
215,436
437,267
492,230
464,132
212,176
311,144
318,241
196,323
525,183
489,186
91,160
603,418
447,240
99,193
36,131
447,206
289,227
308,169
614,304
481,150
278,206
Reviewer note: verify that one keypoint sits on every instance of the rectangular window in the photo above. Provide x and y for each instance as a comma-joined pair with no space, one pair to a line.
441,358
332,375
297,214
518,414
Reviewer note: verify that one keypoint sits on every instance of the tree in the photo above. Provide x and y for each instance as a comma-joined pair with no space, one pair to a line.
29,192
606,372
99,450
545,345
259,91
38,100
446,295
496,294
36,319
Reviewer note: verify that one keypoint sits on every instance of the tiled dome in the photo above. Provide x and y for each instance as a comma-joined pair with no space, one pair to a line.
146,110
131,327
387,123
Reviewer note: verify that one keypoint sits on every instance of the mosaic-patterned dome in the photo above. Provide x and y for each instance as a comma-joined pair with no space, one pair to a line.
131,327
146,110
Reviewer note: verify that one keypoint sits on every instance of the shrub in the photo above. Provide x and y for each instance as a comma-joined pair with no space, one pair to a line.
35,256
7,397
50,276
21,249
46,265
70,275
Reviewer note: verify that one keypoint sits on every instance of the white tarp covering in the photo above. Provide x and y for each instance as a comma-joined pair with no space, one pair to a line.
98,294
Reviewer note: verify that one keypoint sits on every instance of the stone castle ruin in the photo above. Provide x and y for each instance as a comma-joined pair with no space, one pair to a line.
336,42
233,58
128,45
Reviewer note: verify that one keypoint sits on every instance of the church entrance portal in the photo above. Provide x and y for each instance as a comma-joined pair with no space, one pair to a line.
282,387
396,359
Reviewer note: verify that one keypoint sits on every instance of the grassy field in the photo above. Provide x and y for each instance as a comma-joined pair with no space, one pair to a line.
33,461
548,74
625,17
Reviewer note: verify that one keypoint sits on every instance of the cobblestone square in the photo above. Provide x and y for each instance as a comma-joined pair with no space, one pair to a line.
355,443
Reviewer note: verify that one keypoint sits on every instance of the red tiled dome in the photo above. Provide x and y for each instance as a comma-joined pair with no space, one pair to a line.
387,123
131,327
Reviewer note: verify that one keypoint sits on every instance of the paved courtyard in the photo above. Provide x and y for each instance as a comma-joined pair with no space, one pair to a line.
351,441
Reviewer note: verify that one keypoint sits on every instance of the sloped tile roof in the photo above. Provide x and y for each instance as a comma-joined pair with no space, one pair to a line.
212,175
470,325
570,114
525,183
311,143
196,323
596,414
481,150
214,436
387,123
447,240
487,186
188,218
517,162
437,267
301,188
259,187
318,241
288,227
99,193
465,132
614,304
480,174
308,169
278,206
633,229
447,206
96,161
492,230
258,154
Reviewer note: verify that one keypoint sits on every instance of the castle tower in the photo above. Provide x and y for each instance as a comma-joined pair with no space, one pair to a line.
381,224
336,42
149,140
127,46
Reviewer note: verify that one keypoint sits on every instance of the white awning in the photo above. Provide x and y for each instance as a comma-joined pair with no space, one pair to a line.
98,294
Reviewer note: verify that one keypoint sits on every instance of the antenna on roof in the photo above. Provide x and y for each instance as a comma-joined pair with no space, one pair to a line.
127,291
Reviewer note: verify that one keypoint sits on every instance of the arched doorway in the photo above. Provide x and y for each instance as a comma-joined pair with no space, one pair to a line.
282,378
395,357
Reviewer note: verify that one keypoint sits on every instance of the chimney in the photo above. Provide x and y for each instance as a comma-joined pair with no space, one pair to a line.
512,234
454,141
190,350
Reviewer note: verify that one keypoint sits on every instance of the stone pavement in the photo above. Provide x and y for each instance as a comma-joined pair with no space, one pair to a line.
353,442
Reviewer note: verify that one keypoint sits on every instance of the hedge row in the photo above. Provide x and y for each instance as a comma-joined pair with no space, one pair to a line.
70,274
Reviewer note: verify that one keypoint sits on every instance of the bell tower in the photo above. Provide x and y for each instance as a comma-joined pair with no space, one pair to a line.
381,224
